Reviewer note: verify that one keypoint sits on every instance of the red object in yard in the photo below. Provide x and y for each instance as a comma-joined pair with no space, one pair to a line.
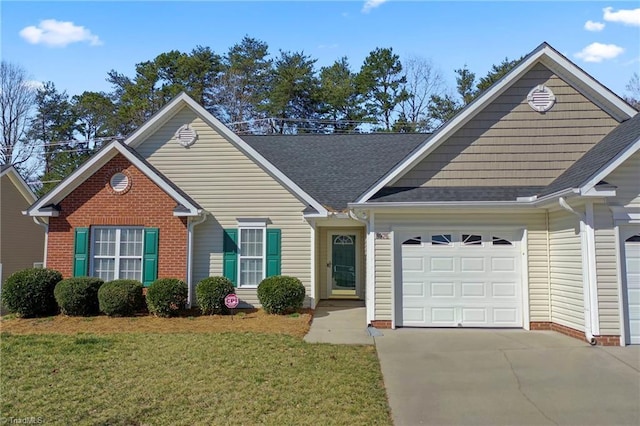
231,301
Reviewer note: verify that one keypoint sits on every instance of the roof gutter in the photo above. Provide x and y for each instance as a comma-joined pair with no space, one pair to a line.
197,220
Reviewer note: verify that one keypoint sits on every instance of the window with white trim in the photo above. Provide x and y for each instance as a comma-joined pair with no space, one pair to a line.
251,255
117,253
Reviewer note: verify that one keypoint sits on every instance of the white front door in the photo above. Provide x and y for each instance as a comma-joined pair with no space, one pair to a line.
632,281
461,278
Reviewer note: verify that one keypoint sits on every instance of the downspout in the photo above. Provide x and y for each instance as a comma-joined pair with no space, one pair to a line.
586,271
46,238
191,224
367,219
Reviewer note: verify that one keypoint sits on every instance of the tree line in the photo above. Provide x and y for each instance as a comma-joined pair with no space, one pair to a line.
247,88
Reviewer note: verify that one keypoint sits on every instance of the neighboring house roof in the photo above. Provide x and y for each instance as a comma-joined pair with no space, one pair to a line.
595,164
177,103
334,169
17,180
448,194
186,205
545,54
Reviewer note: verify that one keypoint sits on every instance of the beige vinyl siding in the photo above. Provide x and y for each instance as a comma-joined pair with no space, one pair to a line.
567,302
606,271
21,241
226,183
508,143
384,278
627,180
533,222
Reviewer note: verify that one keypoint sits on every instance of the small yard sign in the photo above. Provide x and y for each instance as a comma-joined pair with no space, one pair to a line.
231,301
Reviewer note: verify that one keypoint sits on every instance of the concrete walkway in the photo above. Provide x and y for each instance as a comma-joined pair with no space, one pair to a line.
339,322
507,377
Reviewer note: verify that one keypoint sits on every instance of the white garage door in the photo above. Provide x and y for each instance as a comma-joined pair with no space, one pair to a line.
632,255
462,279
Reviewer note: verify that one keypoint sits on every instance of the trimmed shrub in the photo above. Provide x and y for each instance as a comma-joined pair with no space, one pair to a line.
78,296
29,293
281,294
210,294
166,296
120,298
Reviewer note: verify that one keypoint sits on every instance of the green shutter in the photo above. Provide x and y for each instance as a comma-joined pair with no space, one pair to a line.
81,252
150,256
273,252
230,255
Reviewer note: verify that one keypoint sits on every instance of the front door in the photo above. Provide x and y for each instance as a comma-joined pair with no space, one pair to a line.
342,267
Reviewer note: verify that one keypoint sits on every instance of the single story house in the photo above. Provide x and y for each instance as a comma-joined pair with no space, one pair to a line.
522,211
21,239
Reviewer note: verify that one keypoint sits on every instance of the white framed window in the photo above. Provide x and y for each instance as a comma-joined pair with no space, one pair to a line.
116,252
252,246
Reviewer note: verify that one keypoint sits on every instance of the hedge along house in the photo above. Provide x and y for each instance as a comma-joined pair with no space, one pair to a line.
521,211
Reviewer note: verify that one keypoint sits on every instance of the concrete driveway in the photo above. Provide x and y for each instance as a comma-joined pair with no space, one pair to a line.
507,377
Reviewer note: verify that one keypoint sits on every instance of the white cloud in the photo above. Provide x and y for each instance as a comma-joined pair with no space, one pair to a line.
58,34
369,5
598,52
593,26
35,84
623,16
328,46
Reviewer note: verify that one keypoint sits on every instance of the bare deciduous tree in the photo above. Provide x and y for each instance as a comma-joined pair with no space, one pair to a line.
423,81
633,87
17,95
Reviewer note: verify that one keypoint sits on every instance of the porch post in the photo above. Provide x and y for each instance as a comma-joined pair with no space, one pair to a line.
370,298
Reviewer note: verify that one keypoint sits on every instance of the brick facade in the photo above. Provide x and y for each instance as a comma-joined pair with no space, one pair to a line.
142,204
381,323
577,334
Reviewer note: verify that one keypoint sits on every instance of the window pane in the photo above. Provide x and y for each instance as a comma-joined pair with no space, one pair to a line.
250,271
105,242
131,242
441,239
251,242
104,268
131,269
471,240
498,241
415,241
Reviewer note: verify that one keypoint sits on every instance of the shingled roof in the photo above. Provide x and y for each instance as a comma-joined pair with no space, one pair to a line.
447,194
335,169
598,157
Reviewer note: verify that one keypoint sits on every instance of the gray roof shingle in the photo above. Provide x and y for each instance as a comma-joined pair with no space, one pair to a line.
335,169
461,193
619,139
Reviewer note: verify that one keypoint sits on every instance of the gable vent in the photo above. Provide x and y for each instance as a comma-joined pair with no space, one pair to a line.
119,182
541,98
186,136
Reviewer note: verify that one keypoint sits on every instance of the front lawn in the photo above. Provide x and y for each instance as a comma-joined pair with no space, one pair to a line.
188,378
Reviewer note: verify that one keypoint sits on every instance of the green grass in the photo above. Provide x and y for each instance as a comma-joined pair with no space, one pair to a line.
160,379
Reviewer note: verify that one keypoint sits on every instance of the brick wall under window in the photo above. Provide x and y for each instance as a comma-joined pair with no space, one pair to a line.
144,204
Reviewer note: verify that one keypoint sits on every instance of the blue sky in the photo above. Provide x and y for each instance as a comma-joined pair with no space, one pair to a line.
75,43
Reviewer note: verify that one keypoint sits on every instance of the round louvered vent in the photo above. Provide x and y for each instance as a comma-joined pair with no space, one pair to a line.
541,98
119,182
186,136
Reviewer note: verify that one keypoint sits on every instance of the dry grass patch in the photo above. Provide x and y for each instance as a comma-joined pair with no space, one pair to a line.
256,321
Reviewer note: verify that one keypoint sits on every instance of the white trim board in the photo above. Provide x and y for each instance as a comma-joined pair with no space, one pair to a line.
549,57
87,170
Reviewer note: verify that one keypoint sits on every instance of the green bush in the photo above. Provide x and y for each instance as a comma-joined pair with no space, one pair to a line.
281,294
166,296
121,297
210,294
29,293
78,296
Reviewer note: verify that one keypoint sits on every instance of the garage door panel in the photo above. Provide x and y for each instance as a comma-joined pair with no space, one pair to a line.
472,264
632,281
442,264
443,289
469,285
473,289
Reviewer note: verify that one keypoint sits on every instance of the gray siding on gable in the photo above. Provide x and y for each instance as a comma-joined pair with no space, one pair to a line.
565,255
508,143
226,183
626,178
22,241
